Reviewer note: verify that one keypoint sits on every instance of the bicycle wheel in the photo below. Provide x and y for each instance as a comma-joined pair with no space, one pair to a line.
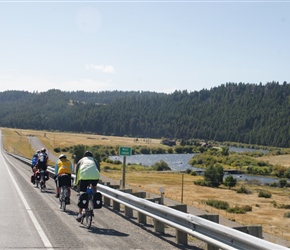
89,218
62,198
41,186
83,217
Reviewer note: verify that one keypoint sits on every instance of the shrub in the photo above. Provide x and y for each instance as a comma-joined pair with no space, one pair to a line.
145,150
239,210
217,204
284,206
200,183
265,194
65,149
273,184
230,181
283,183
243,190
56,150
274,203
161,166
188,171
108,160
287,215
193,173
106,168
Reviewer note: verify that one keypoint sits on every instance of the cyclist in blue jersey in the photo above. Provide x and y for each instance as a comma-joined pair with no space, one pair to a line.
87,172
34,159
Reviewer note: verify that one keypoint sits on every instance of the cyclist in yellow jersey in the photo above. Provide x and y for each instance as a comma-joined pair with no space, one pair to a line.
63,170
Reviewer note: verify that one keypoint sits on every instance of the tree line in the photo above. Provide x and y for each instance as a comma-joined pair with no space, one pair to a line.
237,112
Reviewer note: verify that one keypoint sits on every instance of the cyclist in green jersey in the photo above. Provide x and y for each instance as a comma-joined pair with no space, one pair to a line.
87,172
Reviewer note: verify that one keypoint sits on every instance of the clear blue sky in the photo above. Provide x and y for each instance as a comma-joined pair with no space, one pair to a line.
159,46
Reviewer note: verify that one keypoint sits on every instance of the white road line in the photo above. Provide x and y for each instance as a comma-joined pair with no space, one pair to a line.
39,229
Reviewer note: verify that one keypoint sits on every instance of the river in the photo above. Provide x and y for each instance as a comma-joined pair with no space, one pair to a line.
179,162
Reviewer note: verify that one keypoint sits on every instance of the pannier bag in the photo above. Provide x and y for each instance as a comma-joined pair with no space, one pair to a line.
83,200
38,176
98,202
46,176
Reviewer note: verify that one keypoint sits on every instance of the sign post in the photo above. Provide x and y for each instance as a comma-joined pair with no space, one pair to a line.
124,151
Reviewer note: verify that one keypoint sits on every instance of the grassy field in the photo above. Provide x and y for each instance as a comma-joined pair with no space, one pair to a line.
263,210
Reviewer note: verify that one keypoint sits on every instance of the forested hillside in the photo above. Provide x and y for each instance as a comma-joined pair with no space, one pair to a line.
246,113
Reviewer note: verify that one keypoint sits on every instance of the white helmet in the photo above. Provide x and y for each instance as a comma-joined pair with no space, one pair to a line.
62,156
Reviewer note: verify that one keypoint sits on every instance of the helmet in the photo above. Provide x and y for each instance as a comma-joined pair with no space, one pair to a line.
43,150
62,156
38,151
88,153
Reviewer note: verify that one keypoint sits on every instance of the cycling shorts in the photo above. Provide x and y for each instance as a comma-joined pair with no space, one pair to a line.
85,183
63,180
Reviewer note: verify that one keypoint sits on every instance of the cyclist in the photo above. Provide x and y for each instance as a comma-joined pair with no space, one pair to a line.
33,163
62,171
41,163
42,160
87,172
34,159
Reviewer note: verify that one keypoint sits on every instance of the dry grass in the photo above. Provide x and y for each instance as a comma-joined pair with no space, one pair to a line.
283,160
57,139
263,212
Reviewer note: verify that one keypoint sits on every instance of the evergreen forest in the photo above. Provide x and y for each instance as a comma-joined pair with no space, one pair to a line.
234,112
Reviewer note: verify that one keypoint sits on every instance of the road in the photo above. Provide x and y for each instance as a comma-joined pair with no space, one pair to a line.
33,220
37,145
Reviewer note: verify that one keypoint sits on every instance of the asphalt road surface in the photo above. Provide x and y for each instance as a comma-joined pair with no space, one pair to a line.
32,219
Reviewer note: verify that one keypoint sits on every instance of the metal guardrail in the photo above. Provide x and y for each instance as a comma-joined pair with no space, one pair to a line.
210,232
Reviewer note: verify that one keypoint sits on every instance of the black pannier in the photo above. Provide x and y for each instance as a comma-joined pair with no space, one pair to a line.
83,200
98,202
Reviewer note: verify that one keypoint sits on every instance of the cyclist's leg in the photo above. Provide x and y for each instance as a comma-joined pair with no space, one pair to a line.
57,184
94,185
68,184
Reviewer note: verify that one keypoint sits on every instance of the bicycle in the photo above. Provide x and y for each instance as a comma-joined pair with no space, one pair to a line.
41,178
88,212
63,197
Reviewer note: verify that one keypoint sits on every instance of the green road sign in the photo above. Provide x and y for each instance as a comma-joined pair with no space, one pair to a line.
125,151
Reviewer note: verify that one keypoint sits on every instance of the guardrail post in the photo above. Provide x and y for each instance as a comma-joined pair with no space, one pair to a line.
141,216
127,210
107,201
116,205
213,218
158,226
181,237
256,231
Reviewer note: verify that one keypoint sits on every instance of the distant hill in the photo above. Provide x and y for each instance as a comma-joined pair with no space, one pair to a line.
245,113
